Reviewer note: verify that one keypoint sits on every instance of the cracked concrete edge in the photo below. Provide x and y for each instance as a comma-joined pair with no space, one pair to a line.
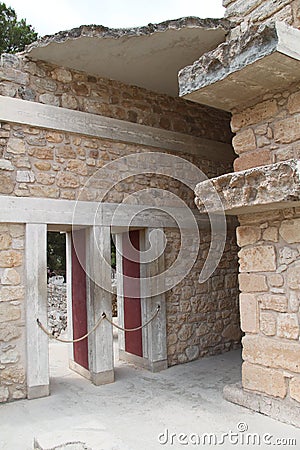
286,410
233,55
100,31
274,186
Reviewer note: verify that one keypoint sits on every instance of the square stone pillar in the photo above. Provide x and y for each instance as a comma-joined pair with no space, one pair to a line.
98,301
36,308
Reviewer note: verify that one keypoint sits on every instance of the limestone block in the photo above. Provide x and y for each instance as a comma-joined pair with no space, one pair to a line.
65,152
247,235
275,302
4,394
67,180
185,332
249,313
11,356
54,137
252,159
287,130
293,276
295,388
294,299
252,282
45,178
8,332
257,259
244,141
16,146
61,74
8,294
275,279
17,231
288,255
270,234
43,166
10,258
9,312
49,99
42,153
263,379
13,374
5,164
77,166
288,326
267,323
6,184
294,103
290,230
44,191
254,115
25,176
282,354
69,101
232,332
5,241
10,277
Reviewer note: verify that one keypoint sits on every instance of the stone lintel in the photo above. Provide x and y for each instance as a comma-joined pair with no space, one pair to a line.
275,186
262,60
283,410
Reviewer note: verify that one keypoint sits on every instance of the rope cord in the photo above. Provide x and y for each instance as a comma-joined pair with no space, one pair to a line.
103,317
137,328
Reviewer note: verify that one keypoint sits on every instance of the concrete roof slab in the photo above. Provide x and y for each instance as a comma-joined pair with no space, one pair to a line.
237,72
148,57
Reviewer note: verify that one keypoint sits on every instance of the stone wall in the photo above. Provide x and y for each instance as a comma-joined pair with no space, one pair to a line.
12,313
52,85
269,302
268,131
245,12
203,319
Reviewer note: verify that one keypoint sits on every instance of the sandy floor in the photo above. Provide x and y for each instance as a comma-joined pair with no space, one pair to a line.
132,412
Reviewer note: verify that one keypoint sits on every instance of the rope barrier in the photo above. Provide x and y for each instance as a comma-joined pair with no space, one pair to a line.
103,317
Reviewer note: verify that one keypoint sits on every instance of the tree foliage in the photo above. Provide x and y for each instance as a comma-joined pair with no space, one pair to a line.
56,252
14,34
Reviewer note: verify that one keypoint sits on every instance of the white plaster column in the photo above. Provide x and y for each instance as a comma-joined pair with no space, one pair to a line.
99,301
36,308
156,330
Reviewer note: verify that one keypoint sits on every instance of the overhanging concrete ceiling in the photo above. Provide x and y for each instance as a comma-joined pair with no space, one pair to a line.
149,57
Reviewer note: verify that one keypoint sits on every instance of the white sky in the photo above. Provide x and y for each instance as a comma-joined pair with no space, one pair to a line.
49,17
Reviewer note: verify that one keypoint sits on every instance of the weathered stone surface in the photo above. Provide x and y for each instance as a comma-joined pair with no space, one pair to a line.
287,130
13,375
42,153
76,166
49,99
270,234
10,74
67,180
244,141
5,241
252,282
267,323
293,276
232,332
258,187
69,101
288,326
263,379
272,353
274,302
249,313
10,258
248,160
25,176
294,103
11,356
16,146
261,258
275,279
6,184
44,191
290,230
8,332
295,388
5,164
9,312
247,235
4,394
10,277
61,74
11,293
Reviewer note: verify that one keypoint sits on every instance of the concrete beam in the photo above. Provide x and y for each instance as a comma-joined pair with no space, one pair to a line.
36,308
237,72
61,119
